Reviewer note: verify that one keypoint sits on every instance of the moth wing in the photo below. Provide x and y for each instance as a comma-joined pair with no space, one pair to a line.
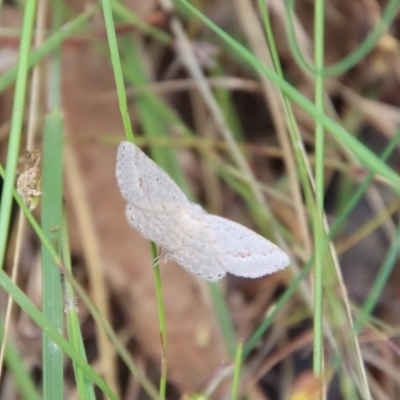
196,251
144,184
243,252
161,227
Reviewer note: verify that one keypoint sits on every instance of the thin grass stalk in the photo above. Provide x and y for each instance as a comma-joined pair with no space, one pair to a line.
318,215
303,164
236,371
306,180
289,159
32,122
83,382
94,262
116,63
16,126
162,324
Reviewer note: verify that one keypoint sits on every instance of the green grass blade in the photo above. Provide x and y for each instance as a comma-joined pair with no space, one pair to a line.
52,200
116,63
53,368
83,383
236,371
162,323
16,126
320,241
